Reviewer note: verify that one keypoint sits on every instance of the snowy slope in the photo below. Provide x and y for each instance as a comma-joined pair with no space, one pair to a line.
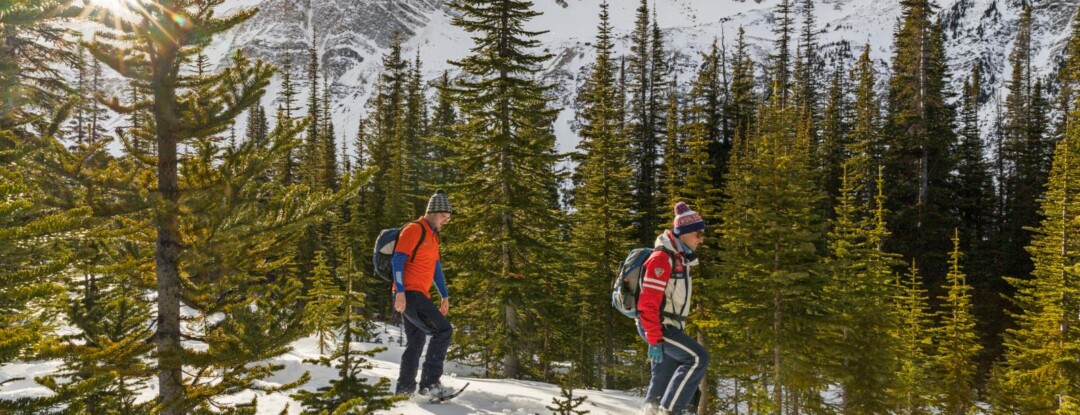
352,35
483,396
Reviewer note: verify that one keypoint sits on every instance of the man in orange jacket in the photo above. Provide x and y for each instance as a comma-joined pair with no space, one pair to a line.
413,276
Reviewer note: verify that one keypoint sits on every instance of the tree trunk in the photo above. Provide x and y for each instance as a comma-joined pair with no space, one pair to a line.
167,334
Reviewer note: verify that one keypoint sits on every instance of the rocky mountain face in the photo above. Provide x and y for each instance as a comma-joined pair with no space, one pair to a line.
352,35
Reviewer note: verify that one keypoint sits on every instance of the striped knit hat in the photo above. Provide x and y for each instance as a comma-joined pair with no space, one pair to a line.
686,220
439,202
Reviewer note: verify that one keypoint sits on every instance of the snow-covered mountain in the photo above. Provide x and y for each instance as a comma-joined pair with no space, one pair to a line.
352,36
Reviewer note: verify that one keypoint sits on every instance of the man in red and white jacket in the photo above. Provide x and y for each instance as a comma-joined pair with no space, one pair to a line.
678,362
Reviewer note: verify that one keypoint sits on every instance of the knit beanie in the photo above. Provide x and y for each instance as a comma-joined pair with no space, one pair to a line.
439,202
686,220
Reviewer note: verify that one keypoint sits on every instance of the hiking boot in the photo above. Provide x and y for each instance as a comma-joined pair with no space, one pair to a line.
654,409
437,391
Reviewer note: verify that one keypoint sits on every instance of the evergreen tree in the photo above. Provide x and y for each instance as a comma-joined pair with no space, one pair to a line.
506,174
771,290
742,105
329,169
257,129
350,393
865,139
861,287
414,131
284,117
672,173
920,140
833,150
780,88
569,403
36,45
233,229
806,83
914,389
323,303
977,205
957,344
601,198
642,124
442,134
1038,374
36,244
1024,155
389,152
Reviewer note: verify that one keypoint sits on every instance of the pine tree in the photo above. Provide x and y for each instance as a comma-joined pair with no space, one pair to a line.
506,173
919,140
35,244
350,393
742,105
284,118
957,344
329,169
832,152
389,151
780,69
1038,374
442,133
414,131
36,45
672,173
601,197
234,229
641,123
323,303
865,141
1023,167
569,403
914,391
977,207
861,287
806,84
770,293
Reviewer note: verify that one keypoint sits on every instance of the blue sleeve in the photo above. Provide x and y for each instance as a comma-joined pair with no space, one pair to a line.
440,280
397,264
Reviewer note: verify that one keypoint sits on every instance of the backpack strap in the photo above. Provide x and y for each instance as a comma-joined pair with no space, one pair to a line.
423,234
663,301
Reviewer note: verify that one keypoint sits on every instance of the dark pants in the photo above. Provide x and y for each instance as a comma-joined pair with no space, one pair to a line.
422,318
677,377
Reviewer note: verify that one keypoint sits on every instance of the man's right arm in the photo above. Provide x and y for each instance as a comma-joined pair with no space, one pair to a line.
407,239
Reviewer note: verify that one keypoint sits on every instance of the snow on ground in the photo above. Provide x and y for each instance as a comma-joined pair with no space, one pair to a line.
483,396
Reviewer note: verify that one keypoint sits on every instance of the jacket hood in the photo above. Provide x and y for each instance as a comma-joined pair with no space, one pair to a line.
670,243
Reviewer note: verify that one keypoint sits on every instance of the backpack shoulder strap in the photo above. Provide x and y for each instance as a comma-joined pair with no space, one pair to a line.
423,234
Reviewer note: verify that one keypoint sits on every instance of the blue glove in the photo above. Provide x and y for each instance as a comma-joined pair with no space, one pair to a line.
656,353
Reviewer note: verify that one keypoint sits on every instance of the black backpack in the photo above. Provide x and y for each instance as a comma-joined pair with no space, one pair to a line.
385,245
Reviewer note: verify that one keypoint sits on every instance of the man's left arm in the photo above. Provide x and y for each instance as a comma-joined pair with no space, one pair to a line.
440,284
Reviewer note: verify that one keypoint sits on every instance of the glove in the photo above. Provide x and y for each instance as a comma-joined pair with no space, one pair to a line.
656,353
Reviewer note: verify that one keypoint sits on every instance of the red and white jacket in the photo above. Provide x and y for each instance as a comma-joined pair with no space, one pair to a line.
665,288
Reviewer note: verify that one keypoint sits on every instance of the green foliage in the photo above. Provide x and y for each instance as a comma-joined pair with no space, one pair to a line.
919,142
860,291
1039,373
915,372
505,237
351,392
36,243
223,238
602,196
957,344
770,296
569,403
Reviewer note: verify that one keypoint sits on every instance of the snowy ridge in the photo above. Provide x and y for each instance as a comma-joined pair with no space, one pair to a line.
352,36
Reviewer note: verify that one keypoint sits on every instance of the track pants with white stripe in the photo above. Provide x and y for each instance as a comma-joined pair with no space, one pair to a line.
676,378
